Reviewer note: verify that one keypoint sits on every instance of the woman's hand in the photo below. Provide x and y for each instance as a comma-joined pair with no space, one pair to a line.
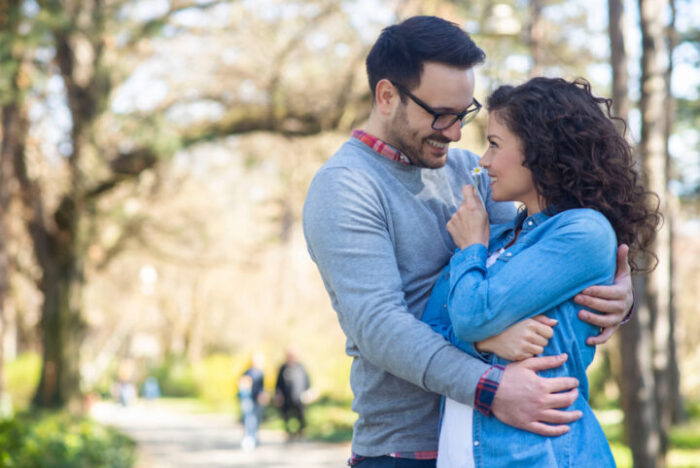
525,339
470,224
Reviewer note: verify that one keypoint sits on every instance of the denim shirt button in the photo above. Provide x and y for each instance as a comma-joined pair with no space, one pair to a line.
476,443
444,306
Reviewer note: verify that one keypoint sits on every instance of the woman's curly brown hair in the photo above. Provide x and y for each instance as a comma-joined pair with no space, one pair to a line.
578,158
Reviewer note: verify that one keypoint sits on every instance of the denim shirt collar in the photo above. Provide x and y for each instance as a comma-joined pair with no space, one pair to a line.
527,223
503,234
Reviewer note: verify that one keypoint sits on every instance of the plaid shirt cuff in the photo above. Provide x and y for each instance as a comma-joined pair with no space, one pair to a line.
486,389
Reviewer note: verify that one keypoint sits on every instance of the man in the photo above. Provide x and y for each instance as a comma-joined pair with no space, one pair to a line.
374,220
291,393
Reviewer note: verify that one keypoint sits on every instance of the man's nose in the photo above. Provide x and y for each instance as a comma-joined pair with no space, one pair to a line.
454,131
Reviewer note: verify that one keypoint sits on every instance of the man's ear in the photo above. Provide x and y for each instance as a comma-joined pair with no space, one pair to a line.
387,97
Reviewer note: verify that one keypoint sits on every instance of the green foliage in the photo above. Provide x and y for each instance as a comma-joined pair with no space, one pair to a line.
213,379
602,389
56,440
686,437
21,378
330,420
216,380
684,440
692,409
175,378
622,454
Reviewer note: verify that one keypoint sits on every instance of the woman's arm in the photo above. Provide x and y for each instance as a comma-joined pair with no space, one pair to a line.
524,339
578,253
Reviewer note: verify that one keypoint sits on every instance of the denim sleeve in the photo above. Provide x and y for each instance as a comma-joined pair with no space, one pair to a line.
578,253
437,317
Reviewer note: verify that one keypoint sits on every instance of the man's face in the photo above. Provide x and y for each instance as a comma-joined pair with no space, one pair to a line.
443,88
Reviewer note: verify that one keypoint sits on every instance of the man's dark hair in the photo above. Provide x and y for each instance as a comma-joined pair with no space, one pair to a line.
402,49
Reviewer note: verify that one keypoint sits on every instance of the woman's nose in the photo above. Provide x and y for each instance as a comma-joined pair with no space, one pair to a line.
483,162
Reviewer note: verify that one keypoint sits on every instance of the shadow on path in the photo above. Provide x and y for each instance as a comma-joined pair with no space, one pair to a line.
168,438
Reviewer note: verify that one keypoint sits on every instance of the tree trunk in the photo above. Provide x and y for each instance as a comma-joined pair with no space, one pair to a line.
618,58
636,377
61,285
673,406
13,136
62,329
653,153
536,38
637,384
60,248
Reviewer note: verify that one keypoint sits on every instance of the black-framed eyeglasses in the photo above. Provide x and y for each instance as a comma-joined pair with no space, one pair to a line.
443,120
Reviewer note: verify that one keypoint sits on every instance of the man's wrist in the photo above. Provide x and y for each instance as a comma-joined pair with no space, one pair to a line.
486,389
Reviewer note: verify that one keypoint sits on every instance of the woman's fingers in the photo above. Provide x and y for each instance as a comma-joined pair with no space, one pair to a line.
541,328
533,350
550,322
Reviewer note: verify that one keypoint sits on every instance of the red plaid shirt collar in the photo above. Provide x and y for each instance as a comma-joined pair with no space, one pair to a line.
381,147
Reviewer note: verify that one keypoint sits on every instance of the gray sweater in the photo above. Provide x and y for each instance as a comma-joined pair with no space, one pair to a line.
377,232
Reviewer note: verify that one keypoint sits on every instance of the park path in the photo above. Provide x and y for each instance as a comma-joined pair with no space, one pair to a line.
170,438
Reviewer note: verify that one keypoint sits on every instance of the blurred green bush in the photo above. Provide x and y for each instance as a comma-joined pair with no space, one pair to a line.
216,377
21,379
57,440
175,378
212,379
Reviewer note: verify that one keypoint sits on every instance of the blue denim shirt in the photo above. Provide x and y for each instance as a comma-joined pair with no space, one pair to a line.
553,259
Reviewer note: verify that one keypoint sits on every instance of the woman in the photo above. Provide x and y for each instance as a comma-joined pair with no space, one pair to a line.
553,147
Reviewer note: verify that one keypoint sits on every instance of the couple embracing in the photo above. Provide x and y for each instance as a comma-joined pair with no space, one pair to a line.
470,323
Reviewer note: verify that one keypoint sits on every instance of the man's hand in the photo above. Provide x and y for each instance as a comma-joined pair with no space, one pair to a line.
613,301
520,341
527,401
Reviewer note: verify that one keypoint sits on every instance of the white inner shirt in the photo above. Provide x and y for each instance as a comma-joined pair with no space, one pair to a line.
455,449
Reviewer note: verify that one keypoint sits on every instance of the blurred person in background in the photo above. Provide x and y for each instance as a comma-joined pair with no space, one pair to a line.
125,389
292,393
252,398
151,388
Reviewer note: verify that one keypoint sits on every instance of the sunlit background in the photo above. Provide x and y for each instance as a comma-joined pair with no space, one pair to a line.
155,159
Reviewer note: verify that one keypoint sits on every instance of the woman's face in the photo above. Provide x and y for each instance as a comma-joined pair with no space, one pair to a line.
510,180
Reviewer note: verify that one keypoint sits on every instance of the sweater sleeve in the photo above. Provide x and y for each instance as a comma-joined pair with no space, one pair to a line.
348,236
578,253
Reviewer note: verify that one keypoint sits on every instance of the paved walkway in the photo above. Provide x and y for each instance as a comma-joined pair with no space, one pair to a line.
168,438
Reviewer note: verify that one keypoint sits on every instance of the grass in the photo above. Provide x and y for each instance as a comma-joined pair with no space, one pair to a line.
684,438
